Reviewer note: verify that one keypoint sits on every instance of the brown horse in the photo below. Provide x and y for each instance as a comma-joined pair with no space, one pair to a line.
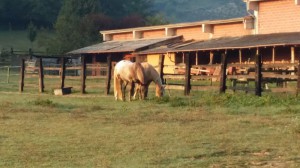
151,75
125,73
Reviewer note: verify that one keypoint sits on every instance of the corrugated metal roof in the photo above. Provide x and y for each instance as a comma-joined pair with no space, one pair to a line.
125,46
165,48
250,41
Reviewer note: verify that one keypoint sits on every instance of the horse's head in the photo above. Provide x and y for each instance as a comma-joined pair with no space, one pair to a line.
160,90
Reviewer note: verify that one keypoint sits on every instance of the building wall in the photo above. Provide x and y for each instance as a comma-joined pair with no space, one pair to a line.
230,30
192,33
169,62
278,16
122,36
154,34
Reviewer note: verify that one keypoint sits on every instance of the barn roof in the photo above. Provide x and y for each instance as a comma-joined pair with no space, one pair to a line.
125,46
249,41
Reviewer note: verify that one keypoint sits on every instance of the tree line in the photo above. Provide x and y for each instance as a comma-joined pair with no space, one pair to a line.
76,23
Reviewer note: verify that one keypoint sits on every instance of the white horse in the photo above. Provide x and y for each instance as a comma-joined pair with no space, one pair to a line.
151,75
125,73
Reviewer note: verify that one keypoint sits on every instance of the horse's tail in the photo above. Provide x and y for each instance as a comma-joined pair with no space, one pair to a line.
117,87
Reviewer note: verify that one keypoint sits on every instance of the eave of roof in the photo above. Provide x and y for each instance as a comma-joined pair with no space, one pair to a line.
249,41
125,46
178,25
242,42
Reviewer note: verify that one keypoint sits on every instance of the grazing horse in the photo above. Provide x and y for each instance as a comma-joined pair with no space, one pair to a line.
125,73
151,75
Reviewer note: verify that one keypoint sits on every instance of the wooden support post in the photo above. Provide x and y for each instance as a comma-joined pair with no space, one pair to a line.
292,54
41,76
8,74
197,58
298,81
30,53
298,73
161,66
187,85
240,56
22,76
108,75
273,54
258,74
83,74
223,73
211,57
62,72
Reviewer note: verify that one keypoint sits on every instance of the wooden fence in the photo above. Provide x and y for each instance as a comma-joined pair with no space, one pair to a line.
239,75
62,71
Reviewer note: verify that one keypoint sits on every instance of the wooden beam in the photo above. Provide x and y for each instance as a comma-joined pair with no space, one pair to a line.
258,74
292,54
83,74
22,75
211,57
41,76
62,72
240,56
187,85
223,73
298,73
273,55
197,57
109,73
161,66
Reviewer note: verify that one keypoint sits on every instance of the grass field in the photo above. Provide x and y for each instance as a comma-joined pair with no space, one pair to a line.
17,40
202,130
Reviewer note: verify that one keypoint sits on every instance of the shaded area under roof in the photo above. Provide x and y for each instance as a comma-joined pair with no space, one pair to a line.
125,46
249,41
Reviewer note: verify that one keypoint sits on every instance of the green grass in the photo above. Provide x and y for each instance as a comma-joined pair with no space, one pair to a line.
202,130
17,40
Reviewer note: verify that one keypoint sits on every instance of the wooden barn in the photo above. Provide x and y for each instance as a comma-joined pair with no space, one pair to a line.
269,36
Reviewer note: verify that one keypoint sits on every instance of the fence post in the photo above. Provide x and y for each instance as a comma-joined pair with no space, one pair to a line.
187,85
223,73
41,76
258,75
298,73
161,66
22,74
8,73
83,74
108,77
298,80
62,72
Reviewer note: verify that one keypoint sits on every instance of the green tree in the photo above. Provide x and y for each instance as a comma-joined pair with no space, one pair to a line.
72,30
79,21
31,33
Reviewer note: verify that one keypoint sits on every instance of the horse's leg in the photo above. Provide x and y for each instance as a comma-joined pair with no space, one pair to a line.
121,92
146,90
136,93
124,90
131,92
